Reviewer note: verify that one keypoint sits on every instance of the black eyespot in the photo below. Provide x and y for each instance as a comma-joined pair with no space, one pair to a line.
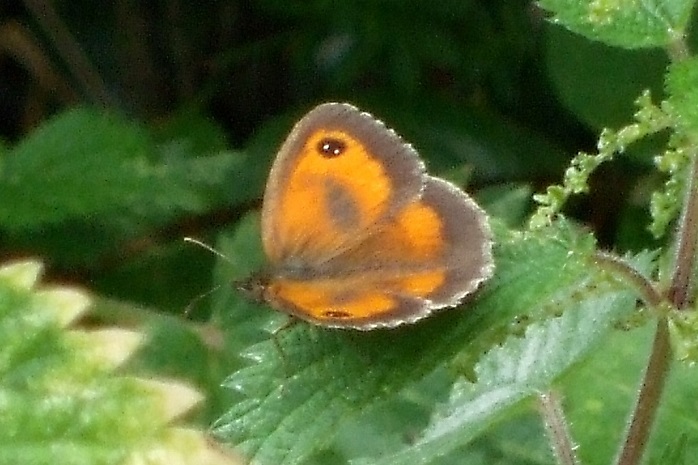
330,148
337,314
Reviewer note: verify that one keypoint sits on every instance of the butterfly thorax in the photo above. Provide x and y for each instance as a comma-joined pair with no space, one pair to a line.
253,287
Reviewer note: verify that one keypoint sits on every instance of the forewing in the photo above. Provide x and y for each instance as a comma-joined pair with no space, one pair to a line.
339,173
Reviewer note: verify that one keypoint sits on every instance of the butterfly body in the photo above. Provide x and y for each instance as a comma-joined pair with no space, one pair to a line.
357,234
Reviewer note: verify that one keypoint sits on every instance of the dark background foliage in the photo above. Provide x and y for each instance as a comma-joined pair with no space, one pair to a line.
490,92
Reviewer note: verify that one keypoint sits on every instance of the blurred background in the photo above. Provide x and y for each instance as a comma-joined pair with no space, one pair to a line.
494,96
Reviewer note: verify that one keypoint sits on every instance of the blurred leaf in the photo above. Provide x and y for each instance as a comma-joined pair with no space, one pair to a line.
86,164
510,203
352,38
628,24
94,176
61,397
176,348
598,83
674,453
200,134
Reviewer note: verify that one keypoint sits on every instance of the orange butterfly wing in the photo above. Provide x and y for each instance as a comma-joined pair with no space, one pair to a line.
357,235
339,173
436,251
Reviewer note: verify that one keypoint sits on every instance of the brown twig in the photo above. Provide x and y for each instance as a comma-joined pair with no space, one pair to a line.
649,294
681,283
648,399
679,295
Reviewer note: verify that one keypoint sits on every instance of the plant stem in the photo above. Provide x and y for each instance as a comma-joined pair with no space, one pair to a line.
557,428
678,49
680,289
648,399
649,294
681,283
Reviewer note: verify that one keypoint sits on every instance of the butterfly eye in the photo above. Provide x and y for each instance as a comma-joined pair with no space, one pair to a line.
330,147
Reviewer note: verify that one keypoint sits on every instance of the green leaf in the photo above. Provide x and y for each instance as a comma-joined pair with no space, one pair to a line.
675,452
545,309
509,202
598,83
60,398
682,87
623,23
98,167
201,134
600,393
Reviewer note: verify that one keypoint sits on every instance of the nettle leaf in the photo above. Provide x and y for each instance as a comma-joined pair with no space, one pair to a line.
60,398
682,87
520,368
623,23
545,309
93,165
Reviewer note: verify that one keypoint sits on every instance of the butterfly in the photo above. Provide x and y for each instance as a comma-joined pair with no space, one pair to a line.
357,234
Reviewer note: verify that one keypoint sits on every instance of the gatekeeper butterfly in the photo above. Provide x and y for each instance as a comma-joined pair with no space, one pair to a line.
357,234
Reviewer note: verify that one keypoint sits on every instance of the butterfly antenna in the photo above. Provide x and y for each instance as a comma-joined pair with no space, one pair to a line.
209,248
198,298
